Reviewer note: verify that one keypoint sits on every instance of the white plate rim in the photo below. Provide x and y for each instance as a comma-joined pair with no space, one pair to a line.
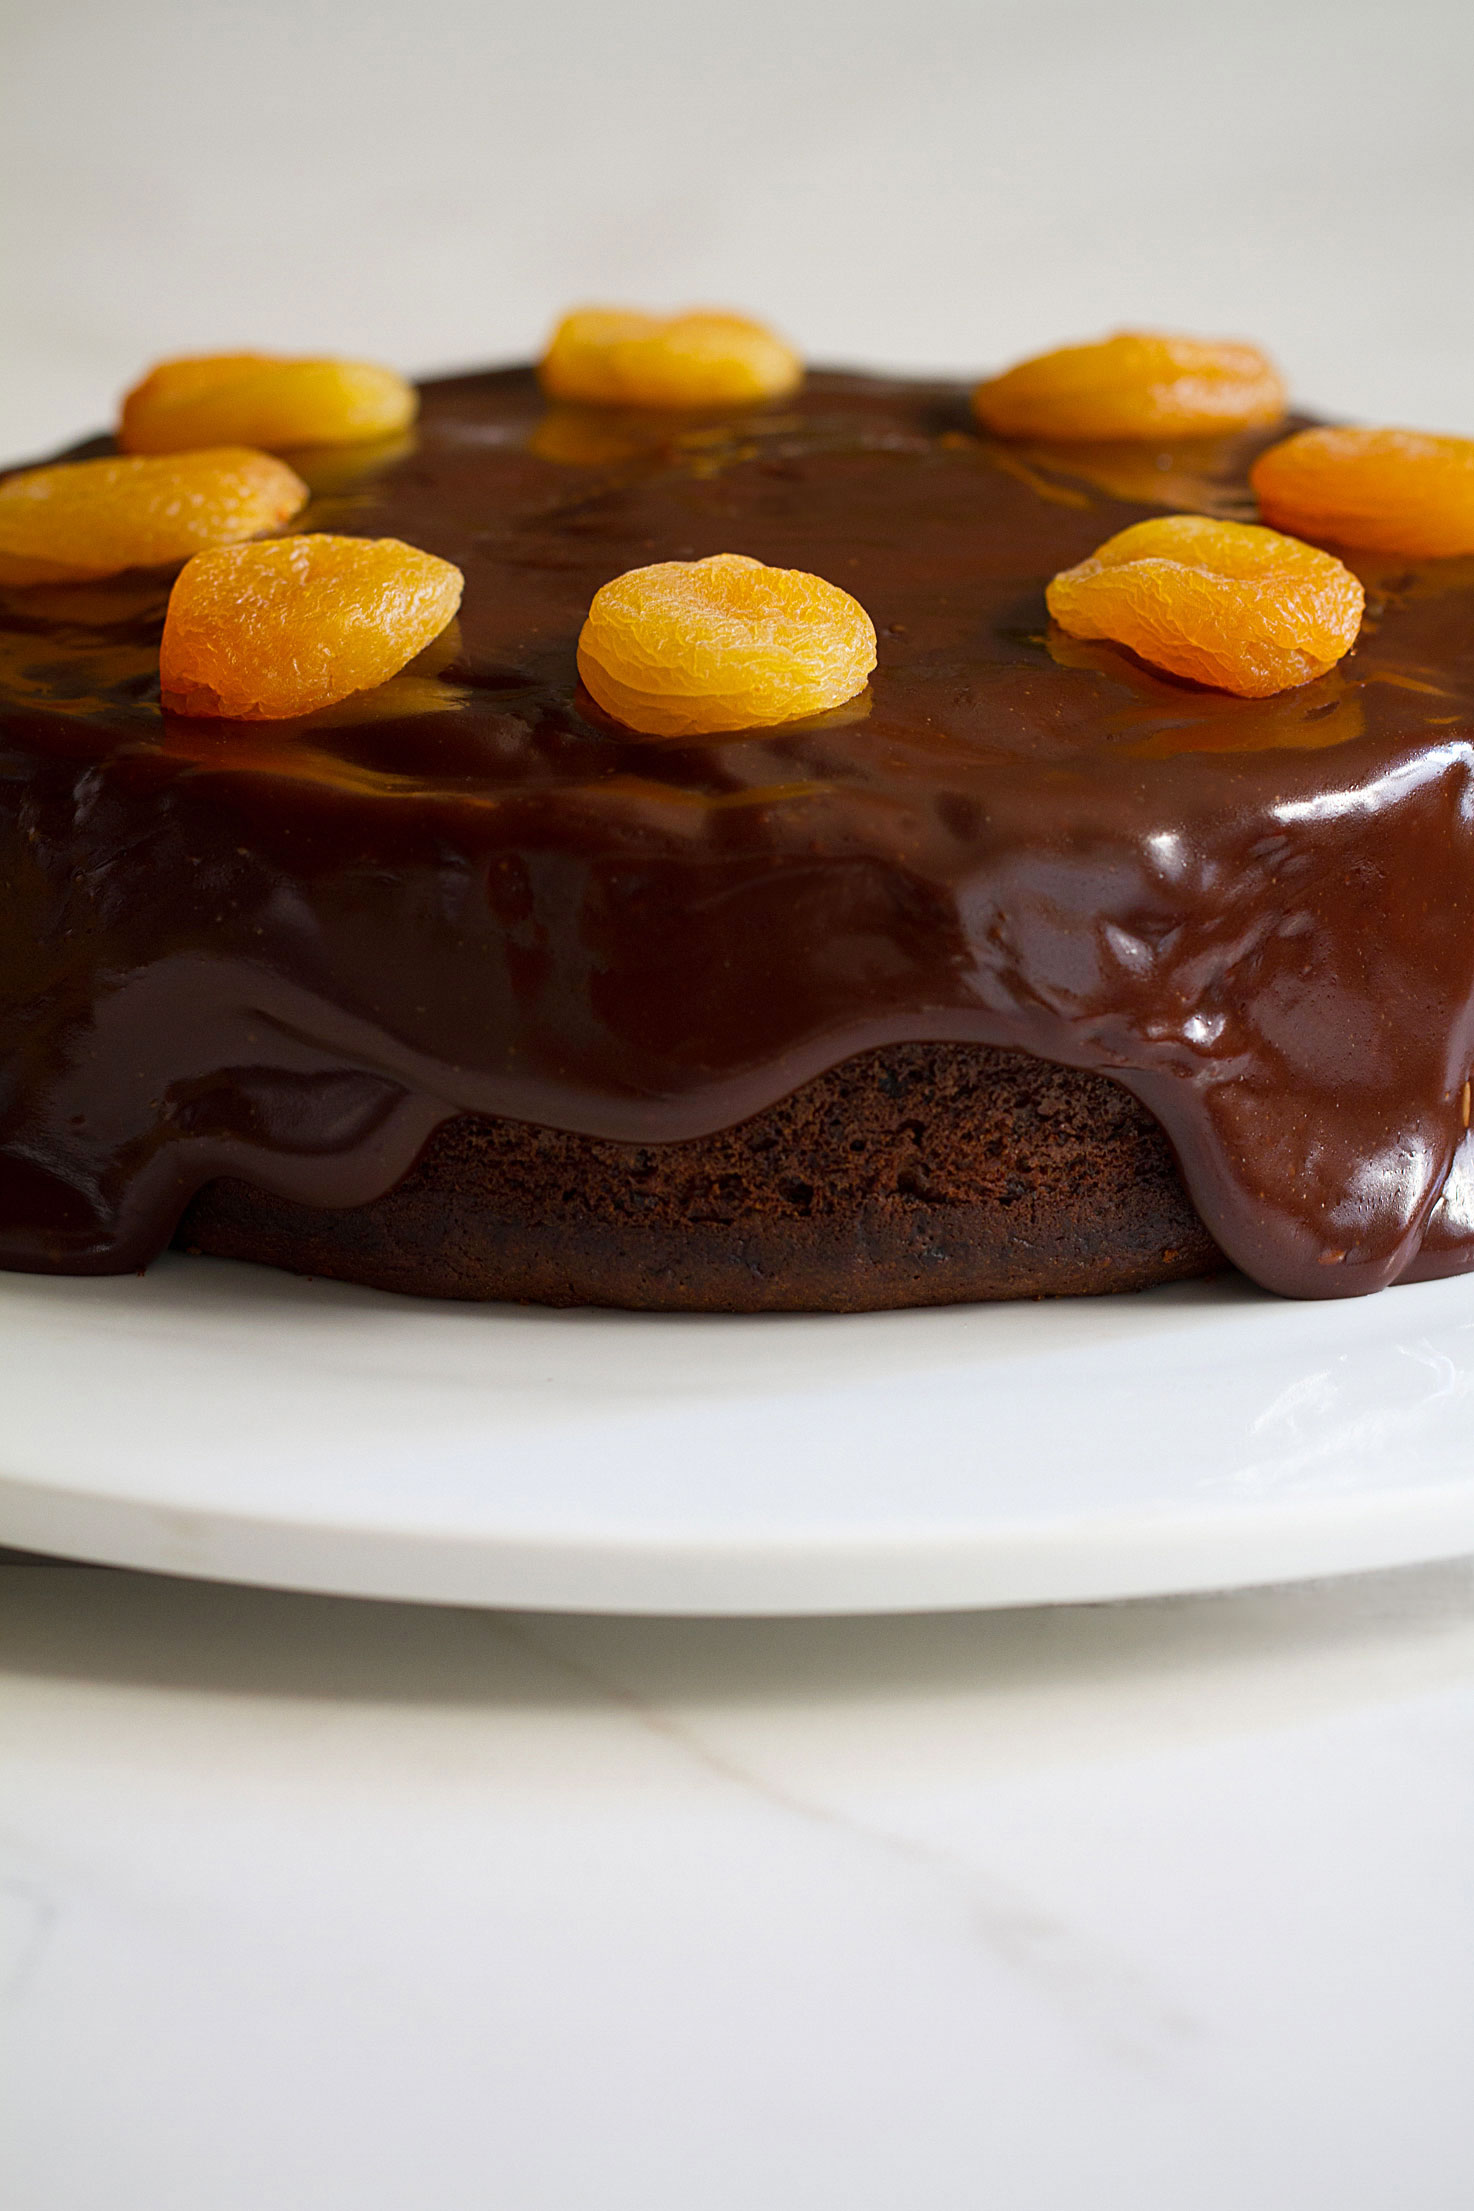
193,1422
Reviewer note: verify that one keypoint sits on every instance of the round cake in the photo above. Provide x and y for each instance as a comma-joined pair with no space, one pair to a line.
1031,971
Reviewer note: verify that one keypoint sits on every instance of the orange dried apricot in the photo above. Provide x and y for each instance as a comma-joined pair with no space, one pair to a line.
1386,491
83,519
690,647
261,632
615,356
1136,384
263,399
1226,603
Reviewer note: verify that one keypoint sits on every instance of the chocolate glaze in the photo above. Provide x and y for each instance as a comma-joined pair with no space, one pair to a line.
287,951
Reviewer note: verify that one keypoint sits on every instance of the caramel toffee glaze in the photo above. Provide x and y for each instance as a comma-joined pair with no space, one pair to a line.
288,951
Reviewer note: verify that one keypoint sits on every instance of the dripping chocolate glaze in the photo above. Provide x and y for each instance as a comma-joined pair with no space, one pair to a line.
287,951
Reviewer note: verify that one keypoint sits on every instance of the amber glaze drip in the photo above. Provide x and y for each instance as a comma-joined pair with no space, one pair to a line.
287,951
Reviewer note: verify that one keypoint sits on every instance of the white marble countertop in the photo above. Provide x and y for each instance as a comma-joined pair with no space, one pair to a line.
311,1905
319,1905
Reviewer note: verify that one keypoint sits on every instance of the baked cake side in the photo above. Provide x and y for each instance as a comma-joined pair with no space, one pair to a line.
915,1175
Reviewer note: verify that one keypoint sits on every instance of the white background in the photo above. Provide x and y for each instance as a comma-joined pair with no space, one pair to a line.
935,184
316,1906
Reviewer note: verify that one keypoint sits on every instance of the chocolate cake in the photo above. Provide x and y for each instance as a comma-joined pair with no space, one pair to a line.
918,1174
1033,971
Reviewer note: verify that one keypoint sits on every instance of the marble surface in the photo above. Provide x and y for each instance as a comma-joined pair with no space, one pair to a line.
325,1905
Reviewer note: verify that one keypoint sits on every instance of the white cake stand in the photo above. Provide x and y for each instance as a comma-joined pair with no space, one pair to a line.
232,1422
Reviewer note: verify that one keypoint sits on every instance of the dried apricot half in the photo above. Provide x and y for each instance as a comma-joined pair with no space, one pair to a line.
263,399
1386,491
261,632
84,519
615,356
1136,384
690,647
1226,603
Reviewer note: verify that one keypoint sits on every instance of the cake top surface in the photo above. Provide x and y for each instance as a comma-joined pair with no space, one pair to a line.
285,950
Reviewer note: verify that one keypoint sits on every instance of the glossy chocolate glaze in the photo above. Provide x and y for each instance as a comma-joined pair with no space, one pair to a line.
287,951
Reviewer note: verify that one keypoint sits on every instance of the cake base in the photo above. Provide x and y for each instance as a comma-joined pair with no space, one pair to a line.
918,1174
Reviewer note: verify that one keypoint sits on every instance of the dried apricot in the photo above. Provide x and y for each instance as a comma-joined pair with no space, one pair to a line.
615,356
689,647
1137,384
1387,491
1226,603
84,519
261,632
263,399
